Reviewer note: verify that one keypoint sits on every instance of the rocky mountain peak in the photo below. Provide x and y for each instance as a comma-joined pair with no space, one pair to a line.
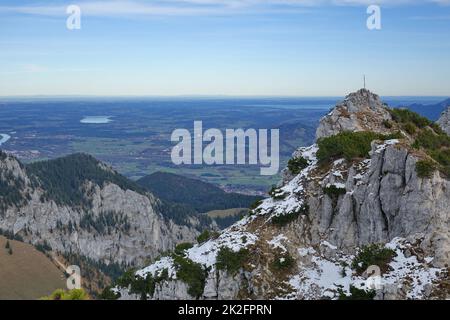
359,111
311,237
444,120
362,99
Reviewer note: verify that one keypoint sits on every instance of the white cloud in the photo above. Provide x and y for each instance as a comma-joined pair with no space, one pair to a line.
191,7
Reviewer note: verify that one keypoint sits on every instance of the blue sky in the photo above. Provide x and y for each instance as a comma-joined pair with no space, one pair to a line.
220,47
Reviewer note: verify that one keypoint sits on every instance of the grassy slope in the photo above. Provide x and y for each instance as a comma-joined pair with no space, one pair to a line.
27,273
227,212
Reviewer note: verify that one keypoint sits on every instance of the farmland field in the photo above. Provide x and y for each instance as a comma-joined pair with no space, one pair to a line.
133,135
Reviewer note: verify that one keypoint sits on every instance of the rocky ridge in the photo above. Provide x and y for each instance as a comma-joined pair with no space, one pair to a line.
360,111
302,242
121,226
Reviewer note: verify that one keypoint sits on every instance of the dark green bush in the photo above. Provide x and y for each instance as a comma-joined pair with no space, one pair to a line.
405,116
357,294
437,145
284,219
283,262
349,145
333,191
442,156
108,294
43,247
182,247
231,261
276,193
192,274
437,128
253,208
430,140
387,124
410,127
144,287
425,168
295,165
373,254
207,235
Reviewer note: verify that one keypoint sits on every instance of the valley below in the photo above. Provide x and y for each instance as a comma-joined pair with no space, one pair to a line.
362,184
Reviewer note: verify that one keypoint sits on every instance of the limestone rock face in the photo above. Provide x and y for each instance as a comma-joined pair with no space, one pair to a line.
384,199
141,232
444,121
360,111
376,200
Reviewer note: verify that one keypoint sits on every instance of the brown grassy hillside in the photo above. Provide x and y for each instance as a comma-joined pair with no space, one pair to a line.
27,273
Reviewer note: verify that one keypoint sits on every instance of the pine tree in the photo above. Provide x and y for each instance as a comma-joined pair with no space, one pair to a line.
7,246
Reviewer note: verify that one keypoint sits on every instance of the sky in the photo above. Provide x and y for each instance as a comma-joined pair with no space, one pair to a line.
224,47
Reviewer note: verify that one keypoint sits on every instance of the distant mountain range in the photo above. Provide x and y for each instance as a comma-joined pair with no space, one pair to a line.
431,111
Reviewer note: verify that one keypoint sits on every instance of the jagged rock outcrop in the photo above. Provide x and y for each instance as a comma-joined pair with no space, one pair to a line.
120,226
444,121
302,242
360,111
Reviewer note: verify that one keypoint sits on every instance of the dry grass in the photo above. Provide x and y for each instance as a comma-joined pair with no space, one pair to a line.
227,212
27,273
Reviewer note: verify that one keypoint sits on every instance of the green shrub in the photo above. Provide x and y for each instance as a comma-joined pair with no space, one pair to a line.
437,128
143,287
442,156
357,294
349,145
255,205
284,219
283,262
192,274
276,194
410,127
295,165
430,140
425,168
405,116
207,235
108,294
387,124
231,261
182,247
333,191
373,254
436,144
74,294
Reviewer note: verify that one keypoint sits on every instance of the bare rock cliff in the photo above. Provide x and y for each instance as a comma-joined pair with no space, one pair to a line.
120,226
444,121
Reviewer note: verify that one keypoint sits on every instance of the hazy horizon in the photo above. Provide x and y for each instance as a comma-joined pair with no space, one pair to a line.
222,48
